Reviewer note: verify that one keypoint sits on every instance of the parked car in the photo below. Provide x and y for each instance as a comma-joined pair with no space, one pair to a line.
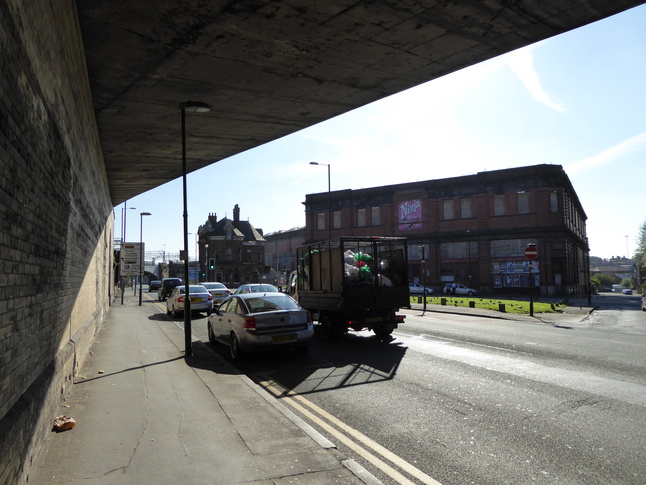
255,288
459,289
219,291
417,289
201,300
627,291
154,285
254,320
167,286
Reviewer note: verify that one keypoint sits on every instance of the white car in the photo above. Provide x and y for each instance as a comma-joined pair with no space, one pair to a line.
252,321
417,289
459,289
218,290
201,300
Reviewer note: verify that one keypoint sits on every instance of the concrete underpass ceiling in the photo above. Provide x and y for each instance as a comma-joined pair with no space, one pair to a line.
271,68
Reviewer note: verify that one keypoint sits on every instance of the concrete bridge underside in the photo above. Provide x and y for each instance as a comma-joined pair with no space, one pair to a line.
271,68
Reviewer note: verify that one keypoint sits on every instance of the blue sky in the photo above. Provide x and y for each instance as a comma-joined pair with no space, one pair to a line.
576,100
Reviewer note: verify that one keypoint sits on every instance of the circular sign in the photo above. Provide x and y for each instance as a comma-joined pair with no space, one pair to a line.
531,252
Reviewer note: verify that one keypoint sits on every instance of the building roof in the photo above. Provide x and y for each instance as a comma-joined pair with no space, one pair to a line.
240,230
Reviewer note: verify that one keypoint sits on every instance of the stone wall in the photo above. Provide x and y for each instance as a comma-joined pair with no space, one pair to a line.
56,223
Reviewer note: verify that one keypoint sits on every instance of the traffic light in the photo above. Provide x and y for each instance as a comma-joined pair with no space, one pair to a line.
211,263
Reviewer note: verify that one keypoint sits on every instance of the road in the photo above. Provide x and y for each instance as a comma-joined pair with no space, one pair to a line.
457,399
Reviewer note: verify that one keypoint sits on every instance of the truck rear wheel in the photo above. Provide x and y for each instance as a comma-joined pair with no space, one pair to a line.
331,329
383,331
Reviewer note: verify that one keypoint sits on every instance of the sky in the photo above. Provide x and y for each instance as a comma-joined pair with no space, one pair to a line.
576,100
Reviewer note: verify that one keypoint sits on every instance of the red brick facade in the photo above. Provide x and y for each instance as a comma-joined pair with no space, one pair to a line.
472,229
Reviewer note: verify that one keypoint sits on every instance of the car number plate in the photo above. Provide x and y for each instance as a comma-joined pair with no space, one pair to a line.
196,300
283,338
374,319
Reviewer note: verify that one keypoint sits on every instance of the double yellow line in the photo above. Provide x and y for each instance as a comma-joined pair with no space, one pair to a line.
350,437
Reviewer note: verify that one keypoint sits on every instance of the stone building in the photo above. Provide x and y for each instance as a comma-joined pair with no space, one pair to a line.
472,229
230,250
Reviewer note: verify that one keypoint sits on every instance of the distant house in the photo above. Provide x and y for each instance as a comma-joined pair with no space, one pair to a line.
230,250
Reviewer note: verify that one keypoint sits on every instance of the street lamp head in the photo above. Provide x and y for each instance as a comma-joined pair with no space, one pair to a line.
314,163
195,106
145,214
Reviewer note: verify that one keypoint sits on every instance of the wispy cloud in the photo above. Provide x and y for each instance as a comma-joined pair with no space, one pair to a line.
522,64
612,154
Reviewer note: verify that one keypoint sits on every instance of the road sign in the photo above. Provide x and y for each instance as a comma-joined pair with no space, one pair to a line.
131,259
531,252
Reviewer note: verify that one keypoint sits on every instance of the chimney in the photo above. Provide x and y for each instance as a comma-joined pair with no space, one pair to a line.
213,218
236,215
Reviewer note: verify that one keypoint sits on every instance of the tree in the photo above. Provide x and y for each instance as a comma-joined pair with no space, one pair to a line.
640,256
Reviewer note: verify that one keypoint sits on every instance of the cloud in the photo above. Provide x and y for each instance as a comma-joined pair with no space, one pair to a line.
521,63
612,154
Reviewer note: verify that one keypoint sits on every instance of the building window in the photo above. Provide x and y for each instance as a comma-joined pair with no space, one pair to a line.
554,202
320,221
465,208
376,216
336,215
499,205
361,217
523,203
448,210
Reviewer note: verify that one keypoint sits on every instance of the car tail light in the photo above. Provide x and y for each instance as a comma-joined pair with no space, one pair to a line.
210,297
228,292
249,323
180,299
400,318
309,317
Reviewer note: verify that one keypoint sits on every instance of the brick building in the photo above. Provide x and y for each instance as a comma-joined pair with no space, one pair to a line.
472,229
280,253
231,250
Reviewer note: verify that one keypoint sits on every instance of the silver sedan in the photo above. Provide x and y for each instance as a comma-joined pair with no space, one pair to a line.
254,321
201,300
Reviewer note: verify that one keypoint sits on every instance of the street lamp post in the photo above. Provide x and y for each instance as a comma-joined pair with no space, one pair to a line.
329,199
194,107
423,248
469,254
141,251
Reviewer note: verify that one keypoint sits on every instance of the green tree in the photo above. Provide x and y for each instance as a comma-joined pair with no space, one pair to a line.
640,255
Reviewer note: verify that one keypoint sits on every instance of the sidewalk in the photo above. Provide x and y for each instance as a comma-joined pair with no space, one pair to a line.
146,415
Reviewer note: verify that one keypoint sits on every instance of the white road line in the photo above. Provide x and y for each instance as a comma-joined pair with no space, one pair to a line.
324,418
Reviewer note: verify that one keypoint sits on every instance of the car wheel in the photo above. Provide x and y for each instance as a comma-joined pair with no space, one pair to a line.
236,351
175,312
470,293
211,334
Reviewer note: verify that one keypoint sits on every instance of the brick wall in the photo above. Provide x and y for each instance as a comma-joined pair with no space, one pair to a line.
56,223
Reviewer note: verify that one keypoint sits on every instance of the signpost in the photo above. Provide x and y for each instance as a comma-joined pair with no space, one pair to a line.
130,262
531,253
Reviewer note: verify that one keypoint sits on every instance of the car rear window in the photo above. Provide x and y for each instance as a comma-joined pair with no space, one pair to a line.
270,303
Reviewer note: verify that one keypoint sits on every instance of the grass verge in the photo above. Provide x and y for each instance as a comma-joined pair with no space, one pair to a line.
508,306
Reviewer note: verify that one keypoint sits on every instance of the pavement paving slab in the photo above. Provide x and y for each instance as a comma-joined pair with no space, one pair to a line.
147,415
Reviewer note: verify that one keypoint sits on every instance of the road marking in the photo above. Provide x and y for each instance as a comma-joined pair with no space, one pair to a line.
323,419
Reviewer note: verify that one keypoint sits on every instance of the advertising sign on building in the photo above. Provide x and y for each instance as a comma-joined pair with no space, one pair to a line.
410,215
131,259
